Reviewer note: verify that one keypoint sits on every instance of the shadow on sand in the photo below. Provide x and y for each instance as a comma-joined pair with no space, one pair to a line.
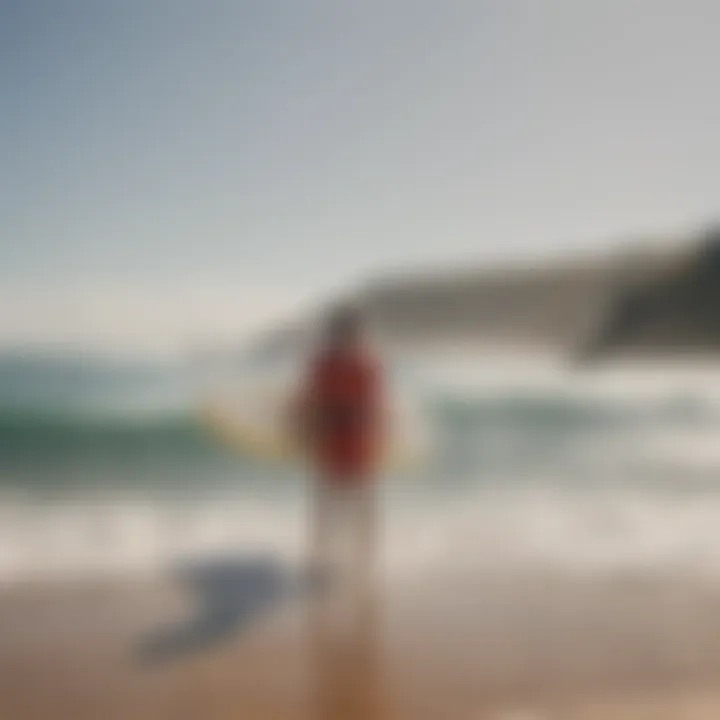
231,593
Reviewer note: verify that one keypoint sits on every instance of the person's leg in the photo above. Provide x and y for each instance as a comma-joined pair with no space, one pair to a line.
367,541
317,546
318,568
321,522
321,657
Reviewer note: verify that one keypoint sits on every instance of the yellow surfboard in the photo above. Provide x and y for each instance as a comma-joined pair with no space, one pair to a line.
255,422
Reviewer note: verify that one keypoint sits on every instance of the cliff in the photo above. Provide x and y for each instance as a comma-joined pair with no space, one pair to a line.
640,300
675,313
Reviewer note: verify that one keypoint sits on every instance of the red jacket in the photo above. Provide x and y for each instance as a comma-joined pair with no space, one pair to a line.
344,397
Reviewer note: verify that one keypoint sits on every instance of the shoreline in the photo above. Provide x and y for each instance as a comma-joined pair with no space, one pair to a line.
450,646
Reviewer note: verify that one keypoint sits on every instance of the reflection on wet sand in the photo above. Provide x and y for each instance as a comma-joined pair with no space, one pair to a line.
346,659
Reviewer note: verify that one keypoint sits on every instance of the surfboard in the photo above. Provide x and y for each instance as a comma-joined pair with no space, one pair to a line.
254,421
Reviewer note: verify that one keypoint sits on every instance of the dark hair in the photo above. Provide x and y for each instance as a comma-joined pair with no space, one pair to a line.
344,322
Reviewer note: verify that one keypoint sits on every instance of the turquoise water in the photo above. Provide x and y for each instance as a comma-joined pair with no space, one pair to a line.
80,422
72,426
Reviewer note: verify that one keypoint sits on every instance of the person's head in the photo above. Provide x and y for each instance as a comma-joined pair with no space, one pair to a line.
344,326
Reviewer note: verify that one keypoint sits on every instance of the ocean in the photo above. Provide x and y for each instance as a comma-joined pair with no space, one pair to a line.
106,468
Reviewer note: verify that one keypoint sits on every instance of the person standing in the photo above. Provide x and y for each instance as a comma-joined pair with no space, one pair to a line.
341,411
340,416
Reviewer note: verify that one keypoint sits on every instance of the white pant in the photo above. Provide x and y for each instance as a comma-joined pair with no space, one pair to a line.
344,528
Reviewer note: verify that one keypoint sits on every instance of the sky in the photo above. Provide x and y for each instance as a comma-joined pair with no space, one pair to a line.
178,169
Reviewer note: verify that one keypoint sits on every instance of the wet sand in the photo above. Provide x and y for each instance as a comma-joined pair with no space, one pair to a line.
525,646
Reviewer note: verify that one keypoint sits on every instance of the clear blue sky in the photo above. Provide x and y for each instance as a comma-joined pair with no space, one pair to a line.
208,159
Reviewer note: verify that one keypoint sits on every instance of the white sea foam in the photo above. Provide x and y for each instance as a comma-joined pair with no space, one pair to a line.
644,494
618,529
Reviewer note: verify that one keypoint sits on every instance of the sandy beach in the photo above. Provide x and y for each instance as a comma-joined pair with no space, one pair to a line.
515,646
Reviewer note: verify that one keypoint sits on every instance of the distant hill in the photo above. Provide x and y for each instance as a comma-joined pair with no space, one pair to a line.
640,300
676,312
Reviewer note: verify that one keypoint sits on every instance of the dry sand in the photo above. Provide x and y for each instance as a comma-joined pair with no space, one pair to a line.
526,646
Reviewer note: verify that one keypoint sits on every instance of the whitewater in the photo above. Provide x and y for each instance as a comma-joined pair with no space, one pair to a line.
105,469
